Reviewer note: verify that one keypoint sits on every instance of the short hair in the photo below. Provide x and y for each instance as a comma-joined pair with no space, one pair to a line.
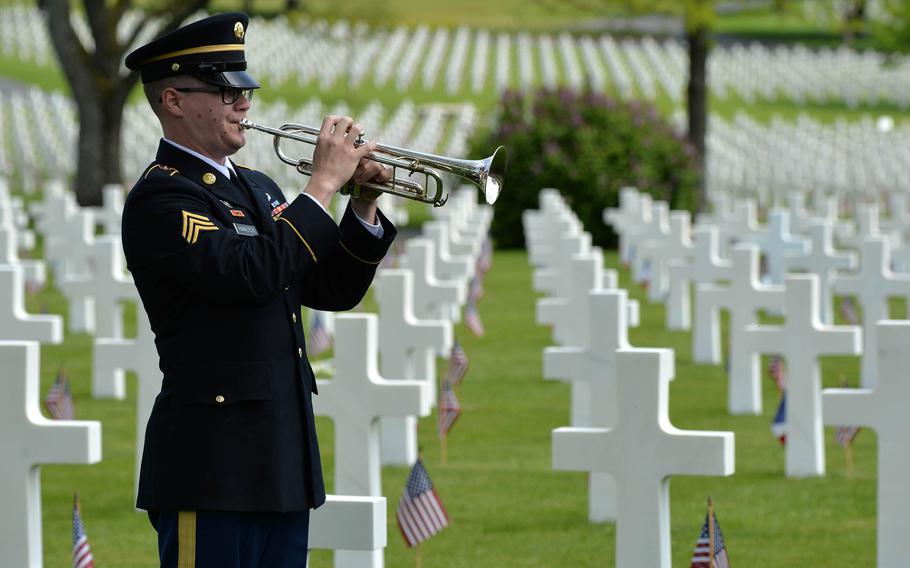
154,89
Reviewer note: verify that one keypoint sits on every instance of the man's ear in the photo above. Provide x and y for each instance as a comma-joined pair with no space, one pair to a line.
172,102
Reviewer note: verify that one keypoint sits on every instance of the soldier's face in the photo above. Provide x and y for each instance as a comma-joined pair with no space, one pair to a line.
217,125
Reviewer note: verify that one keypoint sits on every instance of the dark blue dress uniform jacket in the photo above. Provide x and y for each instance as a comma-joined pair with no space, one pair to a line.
233,429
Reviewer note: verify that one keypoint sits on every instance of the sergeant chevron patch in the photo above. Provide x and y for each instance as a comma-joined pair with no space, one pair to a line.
193,223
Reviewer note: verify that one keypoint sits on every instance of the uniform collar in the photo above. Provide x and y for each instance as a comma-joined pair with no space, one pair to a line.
202,170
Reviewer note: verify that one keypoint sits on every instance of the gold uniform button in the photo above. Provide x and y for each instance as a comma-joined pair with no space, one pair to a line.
208,178
300,351
219,399
294,318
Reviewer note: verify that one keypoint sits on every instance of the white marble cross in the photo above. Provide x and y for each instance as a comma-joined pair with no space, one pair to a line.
802,339
634,209
593,364
742,298
15,322
656,228
884,409
583,271
641,451
777,242
872,285
677,245
408,347
741,226
822,260
34,270
347,522
355,398
113,356
705,266
434,298
103,288
110,213
551,277
28,440
448,265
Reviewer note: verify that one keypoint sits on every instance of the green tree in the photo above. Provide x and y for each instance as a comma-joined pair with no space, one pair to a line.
891,27
100,84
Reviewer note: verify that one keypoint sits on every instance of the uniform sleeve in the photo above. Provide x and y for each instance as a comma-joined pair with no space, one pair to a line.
341,281
171,232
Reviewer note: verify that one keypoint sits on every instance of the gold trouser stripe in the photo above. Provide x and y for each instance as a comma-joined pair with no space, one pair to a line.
357,257
303,240
186,539
194,50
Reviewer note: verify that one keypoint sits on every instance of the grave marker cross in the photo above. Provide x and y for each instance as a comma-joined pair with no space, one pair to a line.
802,339
641,451
28,440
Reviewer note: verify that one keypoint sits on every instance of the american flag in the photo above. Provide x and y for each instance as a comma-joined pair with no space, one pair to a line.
701,558
458,365
779,425
82,553
777,373
449,409
318,339
475,292
845,435
472,319
848,310
59,400
420,512
485,260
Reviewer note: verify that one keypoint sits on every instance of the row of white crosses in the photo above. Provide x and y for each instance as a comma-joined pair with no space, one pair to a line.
420,58
805,336
353,521
386,378
620,431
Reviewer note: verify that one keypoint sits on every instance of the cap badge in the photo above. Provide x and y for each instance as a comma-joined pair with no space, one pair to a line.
175,67
238,30
208,178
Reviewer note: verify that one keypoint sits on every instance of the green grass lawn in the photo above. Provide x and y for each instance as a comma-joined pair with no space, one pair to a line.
507,506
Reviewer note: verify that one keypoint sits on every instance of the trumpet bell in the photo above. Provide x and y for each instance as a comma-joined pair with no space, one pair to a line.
496,172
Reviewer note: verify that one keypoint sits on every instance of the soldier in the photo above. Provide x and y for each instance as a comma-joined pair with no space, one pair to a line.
222,262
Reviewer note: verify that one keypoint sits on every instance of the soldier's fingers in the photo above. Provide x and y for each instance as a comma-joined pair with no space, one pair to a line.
343,125
327,124
366,148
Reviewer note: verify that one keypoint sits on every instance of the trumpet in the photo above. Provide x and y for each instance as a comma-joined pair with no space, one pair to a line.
486,174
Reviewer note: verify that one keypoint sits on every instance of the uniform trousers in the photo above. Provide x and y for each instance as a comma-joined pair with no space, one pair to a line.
218,539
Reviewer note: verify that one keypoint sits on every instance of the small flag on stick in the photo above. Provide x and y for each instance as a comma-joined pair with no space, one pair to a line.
485,260
458,365
59,400
848,310
449,409
472,319
318,339
777,373
82,553
710,549
420,512
779,425
845,436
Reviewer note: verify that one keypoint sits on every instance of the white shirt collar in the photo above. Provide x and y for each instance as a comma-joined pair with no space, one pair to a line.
225,168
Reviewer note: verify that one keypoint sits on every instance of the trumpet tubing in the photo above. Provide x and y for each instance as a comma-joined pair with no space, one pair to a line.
487,174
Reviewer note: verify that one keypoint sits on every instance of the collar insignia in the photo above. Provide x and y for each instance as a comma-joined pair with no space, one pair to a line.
208,178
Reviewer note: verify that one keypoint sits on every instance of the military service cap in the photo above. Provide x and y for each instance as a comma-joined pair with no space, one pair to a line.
210,49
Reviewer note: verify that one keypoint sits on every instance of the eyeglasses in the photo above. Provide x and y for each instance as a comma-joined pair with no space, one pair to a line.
229,95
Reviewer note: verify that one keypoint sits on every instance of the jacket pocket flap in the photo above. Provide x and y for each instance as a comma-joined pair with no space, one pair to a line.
223,383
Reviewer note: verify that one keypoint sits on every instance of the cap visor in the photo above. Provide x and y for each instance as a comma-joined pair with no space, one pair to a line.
238,79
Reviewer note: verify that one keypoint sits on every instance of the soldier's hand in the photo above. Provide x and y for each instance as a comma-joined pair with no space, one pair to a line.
370,171
336,158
